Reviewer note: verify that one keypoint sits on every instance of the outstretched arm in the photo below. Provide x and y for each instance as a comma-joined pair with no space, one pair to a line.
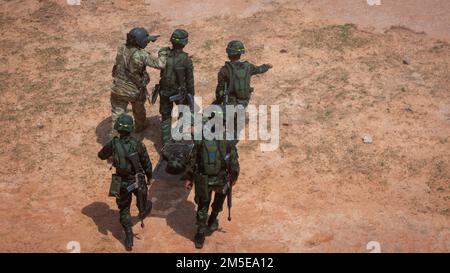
153,61
260,69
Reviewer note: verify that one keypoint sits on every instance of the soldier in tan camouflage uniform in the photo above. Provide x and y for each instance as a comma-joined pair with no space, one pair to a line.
131,78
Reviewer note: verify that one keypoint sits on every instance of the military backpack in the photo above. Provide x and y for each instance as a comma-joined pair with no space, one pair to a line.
174,67
240,75
213,157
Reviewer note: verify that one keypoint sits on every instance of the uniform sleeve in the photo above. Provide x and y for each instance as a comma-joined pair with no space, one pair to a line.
106,151
148,59
144,158
259,69
222,77
234,163
189,80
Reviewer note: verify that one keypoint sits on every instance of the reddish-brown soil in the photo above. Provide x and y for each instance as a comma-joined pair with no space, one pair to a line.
339,73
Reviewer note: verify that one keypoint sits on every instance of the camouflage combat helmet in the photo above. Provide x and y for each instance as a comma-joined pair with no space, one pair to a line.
179,37
235,47
124,123
140,37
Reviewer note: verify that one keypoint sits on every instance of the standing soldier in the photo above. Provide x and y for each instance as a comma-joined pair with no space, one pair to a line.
130,158
177,81
131,78
233,84
216,169
236,75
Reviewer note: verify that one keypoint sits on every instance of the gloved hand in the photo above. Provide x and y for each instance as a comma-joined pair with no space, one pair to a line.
163,51
153,38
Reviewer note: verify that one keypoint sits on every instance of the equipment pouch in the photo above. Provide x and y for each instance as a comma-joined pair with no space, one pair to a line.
114,189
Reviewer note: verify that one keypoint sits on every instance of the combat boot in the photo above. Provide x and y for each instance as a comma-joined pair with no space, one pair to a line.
199,240
213,222
128,238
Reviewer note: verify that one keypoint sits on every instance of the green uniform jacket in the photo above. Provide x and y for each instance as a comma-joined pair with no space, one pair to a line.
107,151
224,76
177,59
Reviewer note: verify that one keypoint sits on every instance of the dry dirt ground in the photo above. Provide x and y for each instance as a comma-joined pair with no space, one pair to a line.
338,73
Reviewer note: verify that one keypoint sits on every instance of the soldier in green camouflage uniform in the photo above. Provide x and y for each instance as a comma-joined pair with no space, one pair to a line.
118,150
237,75
215,162
176,77
131,78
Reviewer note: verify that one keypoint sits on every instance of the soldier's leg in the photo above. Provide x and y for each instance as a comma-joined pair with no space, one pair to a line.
118,107
124,203
202,213
139,115
217,207
165,109
239,119
202,199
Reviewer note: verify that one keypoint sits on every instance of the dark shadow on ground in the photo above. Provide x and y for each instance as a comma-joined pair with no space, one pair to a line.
102,131
152,132
169,198
106,219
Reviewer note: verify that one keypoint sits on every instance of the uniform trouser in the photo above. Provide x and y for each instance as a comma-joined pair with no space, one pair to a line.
119,106
165,109
203,198
124,203
244,103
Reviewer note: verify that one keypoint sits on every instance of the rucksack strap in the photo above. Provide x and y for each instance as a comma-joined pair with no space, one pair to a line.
117,146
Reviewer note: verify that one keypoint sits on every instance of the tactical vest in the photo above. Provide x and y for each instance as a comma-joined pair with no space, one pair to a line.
212,158
169,81
122,147
240,75
121,69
